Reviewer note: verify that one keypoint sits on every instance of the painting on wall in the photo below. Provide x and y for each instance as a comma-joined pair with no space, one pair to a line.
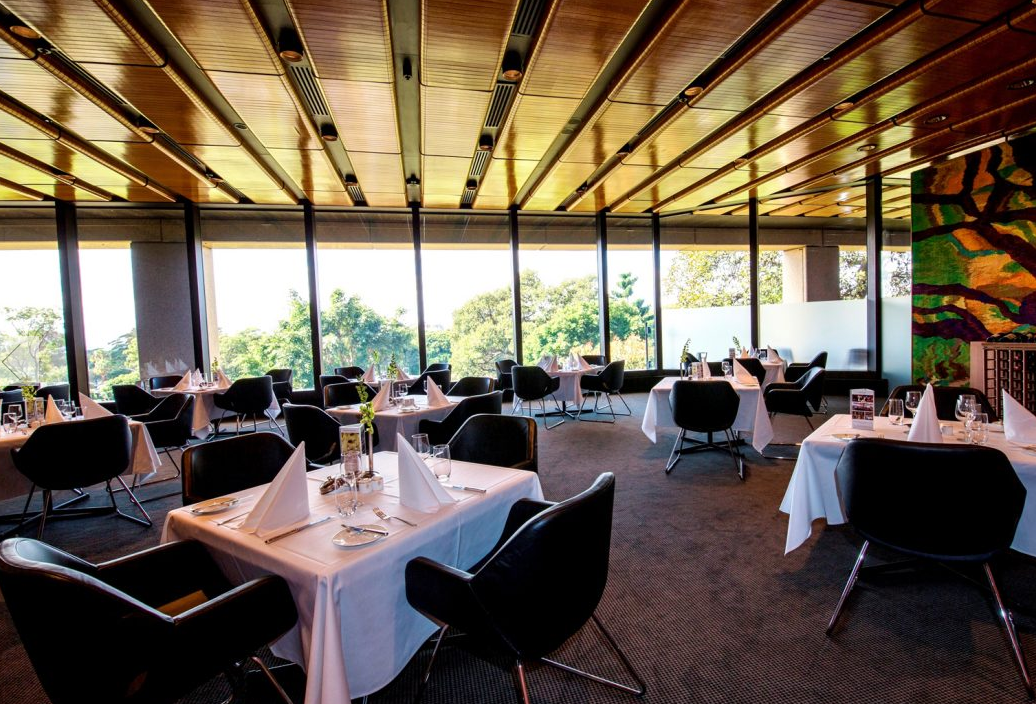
974,256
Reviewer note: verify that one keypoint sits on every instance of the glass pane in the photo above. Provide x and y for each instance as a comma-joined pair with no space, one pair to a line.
32,324
257,290
896,279
468,294
705,287
558,264
109,316
631,299
368,292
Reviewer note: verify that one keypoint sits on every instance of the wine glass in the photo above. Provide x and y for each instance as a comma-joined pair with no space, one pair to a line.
10,421
965,408
726,368
912,401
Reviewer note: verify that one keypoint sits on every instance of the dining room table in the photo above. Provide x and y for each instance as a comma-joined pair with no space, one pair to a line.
752,418
395,419
813,494
205,409
356,631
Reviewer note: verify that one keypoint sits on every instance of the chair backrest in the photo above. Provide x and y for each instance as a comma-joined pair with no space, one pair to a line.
440,432
349,372
346,394
705,406
613,375
438,367
754,367
715,368
530,382
316,428
167,408
11,397
812,385
59,392
598,359
819,361
249,394
472,386
945,501
440,377
503,373
131,400
12,387
74,625
280,375
502,441
945,399
171,424
544,583
221,467
76,454
328,379
164,382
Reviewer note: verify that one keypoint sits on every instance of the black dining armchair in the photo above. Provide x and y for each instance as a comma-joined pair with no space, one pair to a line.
706,407
131,400
169,424
53,459
164,382
440,431
472,386
438,367
281,384
503,377
795,370
598,360
560,549
59,392
945,400
753,366
941,502
318,430
438,376
502,441
607,382
346,394
248,397
221,467
145,628
18,387
531,383
9,399
796,397
350,373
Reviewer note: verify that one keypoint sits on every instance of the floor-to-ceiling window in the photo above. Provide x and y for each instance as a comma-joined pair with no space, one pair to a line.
631,291
468,291
257,292
108,315
557,261
368,299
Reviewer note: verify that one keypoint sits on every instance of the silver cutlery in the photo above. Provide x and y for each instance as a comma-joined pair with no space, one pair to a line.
384,516
293,531
225,502
233,518
461,487
361,529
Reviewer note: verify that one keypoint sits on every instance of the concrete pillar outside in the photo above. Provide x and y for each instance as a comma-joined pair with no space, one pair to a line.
810,274
162,305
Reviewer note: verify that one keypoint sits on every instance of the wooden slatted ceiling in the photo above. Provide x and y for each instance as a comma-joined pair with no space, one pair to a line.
8,194
69,161
347,42
976,10
501,182
311,169
627,177
267,108
13,128
365,113
159,167
452,120
463,42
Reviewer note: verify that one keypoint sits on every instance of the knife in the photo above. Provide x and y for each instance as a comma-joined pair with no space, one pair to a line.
461,487
293,531
358,529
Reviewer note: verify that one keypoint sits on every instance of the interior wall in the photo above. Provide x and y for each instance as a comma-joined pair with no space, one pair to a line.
974,255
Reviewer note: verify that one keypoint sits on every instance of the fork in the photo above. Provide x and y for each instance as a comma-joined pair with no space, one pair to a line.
384,516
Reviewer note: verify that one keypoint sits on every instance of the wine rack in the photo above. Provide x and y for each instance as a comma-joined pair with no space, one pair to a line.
1005,366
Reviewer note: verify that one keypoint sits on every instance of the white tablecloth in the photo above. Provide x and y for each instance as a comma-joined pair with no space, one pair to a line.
570,391
751,418
813,491
774,372
393,421
205,410
13,483
356,631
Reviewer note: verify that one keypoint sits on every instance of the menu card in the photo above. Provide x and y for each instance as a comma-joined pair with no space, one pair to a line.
861,408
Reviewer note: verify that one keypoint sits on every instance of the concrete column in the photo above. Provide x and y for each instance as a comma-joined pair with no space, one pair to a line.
162,305
810,274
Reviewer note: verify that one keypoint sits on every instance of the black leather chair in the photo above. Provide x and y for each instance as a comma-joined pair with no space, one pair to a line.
795,370
531,383
319,431
59,392
149,627
502,441
945,400
440,431
67,456
439,376
754,367
18,387
9,398
281,384
472,386
346,394
222,467
131,400
796,397
595,359
438,367
501,602
608,382
708,407
328,379
503,374
350,373
249,396
164,382
942,502
169,424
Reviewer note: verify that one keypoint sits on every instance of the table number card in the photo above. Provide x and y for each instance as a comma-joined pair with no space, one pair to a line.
861,408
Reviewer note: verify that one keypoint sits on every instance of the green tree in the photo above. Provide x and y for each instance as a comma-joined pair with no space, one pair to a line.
712,279
36,351
116,363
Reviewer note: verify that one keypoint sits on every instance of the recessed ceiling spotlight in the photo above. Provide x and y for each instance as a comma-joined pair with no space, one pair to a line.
740,161
471,185
328,133
350,180
867,147
581,191
24,31
512,68
215,178
485,143
693,91
844,105
146,126
240,126
1022,83
625,150
935,119
289,46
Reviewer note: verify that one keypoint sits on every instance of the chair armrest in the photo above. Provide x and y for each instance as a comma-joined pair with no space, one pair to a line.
780,386
164,573
440,592
786,401
429,426
795,370
554,384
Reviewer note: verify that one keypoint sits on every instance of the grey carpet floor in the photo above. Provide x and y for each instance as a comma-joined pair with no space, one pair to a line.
700,595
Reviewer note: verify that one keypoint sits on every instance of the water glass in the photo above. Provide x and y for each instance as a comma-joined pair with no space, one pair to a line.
896,411
10,421
696,370
913,400
726,368
977,430
441,465
347,494
402,389
419,441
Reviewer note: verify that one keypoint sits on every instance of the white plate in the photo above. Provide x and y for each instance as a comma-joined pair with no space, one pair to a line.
214,505
845,437
348,538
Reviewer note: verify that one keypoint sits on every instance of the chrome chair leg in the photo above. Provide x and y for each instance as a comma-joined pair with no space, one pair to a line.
596,409
675,455
848,587
543,411
273,680
1005,616
523,686
146,521
423,685
629,411
739,459
640,687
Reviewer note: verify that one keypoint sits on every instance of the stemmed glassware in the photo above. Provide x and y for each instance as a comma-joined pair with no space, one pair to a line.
726,368
965,408
912,401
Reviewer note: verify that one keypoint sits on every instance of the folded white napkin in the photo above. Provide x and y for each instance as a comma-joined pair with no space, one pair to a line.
369,376
553,366
418,487
436,398
285,501
184,383
401,375
583,364
544,362
743,376
706,373
222,380
197,379
573,360
1019,423
92,409
926,420
53,415
381,399
772,356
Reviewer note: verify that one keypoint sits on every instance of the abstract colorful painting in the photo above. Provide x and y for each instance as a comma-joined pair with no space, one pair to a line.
974,255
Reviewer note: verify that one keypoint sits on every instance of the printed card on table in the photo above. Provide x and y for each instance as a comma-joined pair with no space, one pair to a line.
861,408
